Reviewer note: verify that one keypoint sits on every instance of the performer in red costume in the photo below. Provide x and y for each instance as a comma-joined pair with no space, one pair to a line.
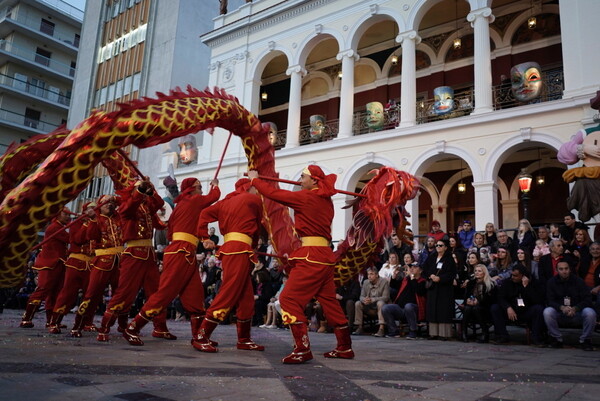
107,243
50,264
239,216
180,273
139,267
312,264
77,273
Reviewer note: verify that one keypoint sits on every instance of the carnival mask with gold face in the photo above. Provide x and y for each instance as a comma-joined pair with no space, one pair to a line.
526,81
443,100
375,116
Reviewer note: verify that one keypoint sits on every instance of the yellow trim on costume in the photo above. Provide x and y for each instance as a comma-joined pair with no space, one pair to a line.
115,250
81,256
314,241
220,314
138,242
312,261
153,312
181,236
287,318
241,237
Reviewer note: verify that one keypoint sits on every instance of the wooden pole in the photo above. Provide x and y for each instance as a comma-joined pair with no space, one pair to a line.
223,155
298,183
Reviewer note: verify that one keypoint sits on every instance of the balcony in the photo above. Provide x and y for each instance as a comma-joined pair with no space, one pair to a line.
464,103
22,86
10,50
26,124
41,29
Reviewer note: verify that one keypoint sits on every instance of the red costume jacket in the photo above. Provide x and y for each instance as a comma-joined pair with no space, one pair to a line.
55,249
80,246
105,232
237,214
313,215
184,220
138,218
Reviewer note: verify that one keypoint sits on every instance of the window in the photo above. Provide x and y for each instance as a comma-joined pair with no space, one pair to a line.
42,57
36,87
47,27
76,40
72,69
32,118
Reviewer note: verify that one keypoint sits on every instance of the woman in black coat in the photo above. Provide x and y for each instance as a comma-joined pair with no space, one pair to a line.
440,271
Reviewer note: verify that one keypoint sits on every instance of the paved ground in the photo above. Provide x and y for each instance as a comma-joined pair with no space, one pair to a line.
38,366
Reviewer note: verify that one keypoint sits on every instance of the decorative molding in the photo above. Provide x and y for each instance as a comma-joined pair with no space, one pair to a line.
440,146
374,9
411,35
318,29
271,45
526,134
485,12
295,69
347,53
370,157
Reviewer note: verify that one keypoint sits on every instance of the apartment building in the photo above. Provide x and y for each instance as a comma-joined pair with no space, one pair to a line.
39,42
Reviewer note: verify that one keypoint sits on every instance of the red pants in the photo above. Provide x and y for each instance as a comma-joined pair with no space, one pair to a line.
178,277
99,279
50,282
74,280
236,289
308,280
135,274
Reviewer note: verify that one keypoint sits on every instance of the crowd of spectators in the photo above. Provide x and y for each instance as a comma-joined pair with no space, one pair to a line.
544,279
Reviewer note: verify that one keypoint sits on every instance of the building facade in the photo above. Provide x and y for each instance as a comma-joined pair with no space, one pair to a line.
39,42
353,63
138,48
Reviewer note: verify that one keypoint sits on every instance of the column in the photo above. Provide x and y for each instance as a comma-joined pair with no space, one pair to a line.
480,20
296,72
510,213
439,213
408,91
342,219
486,203
348,57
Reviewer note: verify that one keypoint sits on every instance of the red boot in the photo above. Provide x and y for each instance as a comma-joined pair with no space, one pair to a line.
27,319
160,327
55,323
196,322
77,326
344,344
88,324
108,319
202,340
301,351
122,322
48,318
244,340
132,332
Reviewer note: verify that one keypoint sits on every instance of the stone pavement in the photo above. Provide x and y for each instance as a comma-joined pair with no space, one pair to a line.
36,365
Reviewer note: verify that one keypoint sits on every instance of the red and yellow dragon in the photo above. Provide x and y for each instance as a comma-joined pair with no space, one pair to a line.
39,177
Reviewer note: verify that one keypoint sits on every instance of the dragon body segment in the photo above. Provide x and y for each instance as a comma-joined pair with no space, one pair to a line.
29,203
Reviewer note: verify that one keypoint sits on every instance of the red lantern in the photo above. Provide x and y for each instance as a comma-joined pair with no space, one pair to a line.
525,181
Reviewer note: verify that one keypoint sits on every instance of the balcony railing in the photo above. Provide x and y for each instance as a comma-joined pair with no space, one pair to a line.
36,24
552,89
35,90
37,58
21,119
464,104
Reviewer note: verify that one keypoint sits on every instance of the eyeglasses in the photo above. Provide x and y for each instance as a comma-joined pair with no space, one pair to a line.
439,245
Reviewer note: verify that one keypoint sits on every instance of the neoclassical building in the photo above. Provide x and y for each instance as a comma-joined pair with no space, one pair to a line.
289,60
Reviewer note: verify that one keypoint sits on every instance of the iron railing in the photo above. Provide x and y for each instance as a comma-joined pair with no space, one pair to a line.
29,55
35,90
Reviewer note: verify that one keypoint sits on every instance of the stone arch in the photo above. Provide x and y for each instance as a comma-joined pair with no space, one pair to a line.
423,161
362,166
520,19
368,20
311,41
265,57
500,153
420,9
454,179
431,189
370,63
318,75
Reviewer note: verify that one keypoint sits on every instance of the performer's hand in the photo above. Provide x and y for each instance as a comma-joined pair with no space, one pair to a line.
252,174
208,244
214,182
